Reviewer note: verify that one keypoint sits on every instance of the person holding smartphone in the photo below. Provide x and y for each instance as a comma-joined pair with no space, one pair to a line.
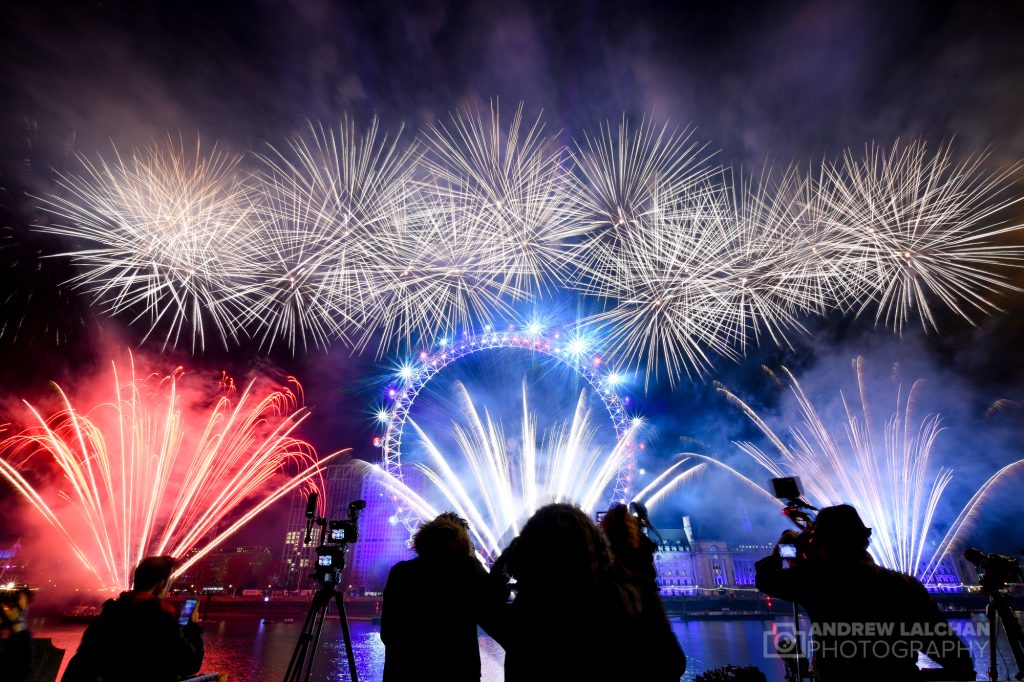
139,636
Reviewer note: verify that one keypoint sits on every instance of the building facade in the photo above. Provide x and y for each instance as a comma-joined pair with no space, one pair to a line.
704,567
343,484
953,574
12,567
709,566
383,542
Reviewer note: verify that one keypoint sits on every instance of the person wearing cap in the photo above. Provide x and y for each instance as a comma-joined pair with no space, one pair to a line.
137,635
867,622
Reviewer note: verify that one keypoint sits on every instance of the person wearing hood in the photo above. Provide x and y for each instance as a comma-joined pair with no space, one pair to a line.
137,635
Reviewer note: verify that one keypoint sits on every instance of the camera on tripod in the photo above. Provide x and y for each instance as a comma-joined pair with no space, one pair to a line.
335,536
999,569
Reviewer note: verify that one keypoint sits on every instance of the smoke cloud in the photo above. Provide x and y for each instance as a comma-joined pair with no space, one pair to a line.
794,82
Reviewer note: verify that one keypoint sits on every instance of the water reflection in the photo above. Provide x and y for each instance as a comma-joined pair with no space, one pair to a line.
248,649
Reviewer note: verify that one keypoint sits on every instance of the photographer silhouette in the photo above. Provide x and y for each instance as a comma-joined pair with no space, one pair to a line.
867,622
138,636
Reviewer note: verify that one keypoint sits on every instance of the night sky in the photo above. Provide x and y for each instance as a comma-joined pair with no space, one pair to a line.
762,82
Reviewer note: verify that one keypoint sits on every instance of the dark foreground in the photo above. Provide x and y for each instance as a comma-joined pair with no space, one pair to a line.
249,650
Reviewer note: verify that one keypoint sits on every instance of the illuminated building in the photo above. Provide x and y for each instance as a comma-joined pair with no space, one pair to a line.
12,567
343,485
706,567
382,541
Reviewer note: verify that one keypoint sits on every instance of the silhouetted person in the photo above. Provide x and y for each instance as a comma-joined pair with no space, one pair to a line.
572,616
16,645
137,635
658,655
432,605
871,621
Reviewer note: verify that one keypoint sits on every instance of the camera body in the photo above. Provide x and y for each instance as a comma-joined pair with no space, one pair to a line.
788,488
999,569
330,562
335,536
801,546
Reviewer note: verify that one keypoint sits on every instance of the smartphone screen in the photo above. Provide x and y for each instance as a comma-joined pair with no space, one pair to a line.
186,611
787,551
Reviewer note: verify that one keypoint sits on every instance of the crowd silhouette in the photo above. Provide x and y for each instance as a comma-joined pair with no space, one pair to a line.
554,597
569,599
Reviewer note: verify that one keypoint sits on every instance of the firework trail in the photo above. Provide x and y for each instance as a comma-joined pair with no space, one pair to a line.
885,473
142,478
693,465
504,487
166,226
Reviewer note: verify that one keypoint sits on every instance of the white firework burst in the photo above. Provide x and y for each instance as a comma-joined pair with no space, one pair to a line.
295,290
440,270
914,227
775,274
158,236
623,175
797,260
513,178
327,201
689,285
352,236
662,276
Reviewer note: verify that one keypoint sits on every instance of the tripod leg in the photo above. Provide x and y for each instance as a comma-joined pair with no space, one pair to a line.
318,627
295,664
301,645
1013,630
993,639
340,601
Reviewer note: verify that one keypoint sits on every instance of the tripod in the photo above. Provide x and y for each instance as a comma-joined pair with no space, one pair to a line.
999,610
796,666
335,535
300,667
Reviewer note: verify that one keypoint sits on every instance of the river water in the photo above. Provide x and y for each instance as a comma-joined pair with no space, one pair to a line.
248,649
